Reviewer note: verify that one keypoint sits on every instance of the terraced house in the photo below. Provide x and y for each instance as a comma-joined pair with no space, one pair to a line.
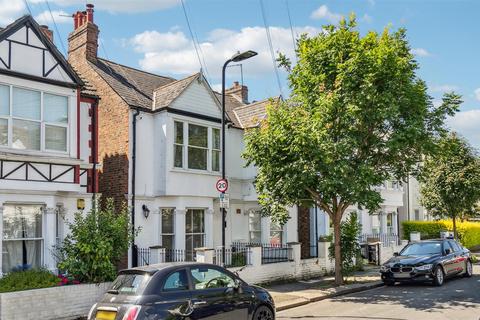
47,145
159,145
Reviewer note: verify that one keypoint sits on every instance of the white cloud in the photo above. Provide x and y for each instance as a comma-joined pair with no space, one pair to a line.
123,6
173,52
371,2
367,18
324,13
477,94
11,10
444,88
59,16
421,52
466,123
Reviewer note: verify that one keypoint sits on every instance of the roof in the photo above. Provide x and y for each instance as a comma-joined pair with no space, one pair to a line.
134,86
250,115
27,20
231,103
165,95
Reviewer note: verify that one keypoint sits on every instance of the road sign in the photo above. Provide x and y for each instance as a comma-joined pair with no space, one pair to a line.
222,185
224,200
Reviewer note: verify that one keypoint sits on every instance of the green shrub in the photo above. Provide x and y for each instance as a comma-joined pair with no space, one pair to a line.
95,244
427,229
29,279
468,232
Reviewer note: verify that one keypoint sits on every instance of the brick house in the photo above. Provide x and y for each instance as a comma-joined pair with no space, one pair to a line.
47,145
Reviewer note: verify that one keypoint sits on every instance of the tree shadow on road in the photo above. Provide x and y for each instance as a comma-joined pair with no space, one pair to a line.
455,293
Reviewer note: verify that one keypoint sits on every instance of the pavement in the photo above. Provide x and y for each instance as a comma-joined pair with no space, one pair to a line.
457,299
294,294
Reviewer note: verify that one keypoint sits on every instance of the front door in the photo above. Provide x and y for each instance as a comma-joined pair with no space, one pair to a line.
215,297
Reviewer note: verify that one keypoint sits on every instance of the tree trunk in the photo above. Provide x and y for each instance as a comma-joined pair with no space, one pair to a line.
338,250
454,228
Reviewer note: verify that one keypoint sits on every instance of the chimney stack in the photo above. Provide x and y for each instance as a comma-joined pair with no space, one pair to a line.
47,32
83,41
239,91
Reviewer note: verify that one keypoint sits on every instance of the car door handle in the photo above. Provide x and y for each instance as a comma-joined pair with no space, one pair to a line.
199,303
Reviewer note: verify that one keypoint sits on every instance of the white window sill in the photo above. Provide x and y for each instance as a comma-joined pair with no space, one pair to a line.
195,171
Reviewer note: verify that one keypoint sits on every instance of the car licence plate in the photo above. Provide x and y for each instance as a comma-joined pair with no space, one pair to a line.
401,275
105,315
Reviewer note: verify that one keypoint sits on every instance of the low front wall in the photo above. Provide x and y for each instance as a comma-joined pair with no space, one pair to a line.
387,252
305,269
66,302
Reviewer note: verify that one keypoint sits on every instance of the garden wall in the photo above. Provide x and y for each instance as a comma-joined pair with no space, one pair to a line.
65,302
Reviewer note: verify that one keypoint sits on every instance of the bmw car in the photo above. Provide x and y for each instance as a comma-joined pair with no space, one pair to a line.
428,261
182,291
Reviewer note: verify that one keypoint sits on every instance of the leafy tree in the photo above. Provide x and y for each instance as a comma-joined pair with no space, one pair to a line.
357,115
95,244
349,233
450,180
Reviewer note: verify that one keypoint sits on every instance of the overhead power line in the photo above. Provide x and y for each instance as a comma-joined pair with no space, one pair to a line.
28,7
291,28
56,29
269,39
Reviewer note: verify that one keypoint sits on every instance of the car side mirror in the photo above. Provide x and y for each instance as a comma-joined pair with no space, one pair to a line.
396,254
237,285
447,251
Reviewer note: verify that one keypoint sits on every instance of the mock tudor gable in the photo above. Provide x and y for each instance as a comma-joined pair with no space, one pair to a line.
24,40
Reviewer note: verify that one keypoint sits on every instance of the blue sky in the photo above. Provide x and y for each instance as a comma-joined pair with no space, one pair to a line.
153,35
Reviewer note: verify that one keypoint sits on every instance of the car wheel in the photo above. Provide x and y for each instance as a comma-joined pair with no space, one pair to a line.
438,276
468,269
263,313
389,283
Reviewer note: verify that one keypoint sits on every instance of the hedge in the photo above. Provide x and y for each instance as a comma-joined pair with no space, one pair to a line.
468,232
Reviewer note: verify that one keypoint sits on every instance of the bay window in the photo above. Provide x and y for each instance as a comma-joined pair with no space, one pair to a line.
196,147
22,237
33,120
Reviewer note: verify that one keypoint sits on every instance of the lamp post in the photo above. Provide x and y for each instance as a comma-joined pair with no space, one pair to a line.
236,58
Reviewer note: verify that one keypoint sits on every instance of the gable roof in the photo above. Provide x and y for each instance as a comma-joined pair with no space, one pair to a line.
231,103
134,86
166,94
27,20
250,115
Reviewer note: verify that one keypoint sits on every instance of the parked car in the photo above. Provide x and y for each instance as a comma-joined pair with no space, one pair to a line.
182,290
428,261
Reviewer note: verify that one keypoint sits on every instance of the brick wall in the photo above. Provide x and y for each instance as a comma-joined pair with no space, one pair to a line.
67,302
304,230
113,116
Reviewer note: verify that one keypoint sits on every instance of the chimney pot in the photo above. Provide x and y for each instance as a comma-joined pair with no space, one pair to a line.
90,12
238,90
46,31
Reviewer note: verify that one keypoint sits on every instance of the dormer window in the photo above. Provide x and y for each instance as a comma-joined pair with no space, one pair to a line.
33,120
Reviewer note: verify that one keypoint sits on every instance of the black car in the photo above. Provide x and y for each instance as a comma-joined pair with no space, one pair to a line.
428,261
182,291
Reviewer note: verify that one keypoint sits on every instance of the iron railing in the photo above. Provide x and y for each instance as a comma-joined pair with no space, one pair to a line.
234,257
384,238
271,252
143,256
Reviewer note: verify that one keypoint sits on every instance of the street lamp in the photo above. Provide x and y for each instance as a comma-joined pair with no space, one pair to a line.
235,58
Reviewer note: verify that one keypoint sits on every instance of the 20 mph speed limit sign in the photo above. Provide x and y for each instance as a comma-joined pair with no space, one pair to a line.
222,185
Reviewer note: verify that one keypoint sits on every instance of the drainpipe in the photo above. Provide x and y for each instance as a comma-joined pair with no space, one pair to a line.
94,153
134,156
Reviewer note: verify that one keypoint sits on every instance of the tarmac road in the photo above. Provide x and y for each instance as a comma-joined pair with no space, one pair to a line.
457,299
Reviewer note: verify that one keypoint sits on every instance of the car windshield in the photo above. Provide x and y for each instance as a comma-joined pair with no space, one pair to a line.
422,249
129,283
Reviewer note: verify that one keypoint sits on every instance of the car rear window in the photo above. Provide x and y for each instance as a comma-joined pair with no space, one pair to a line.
422,248
129,283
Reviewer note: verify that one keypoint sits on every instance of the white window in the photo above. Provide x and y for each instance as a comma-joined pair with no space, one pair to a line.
33,120
196,147
215,149
22,237
276,233
178,145
194,231
168,233
255,226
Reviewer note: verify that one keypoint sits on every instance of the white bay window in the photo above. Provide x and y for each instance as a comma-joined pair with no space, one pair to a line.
196,147
33,120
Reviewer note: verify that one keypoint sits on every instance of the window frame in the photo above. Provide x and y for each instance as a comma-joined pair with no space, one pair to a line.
41,239
192,286
172,234
189,284
42,122
255,212
281,230
186,146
